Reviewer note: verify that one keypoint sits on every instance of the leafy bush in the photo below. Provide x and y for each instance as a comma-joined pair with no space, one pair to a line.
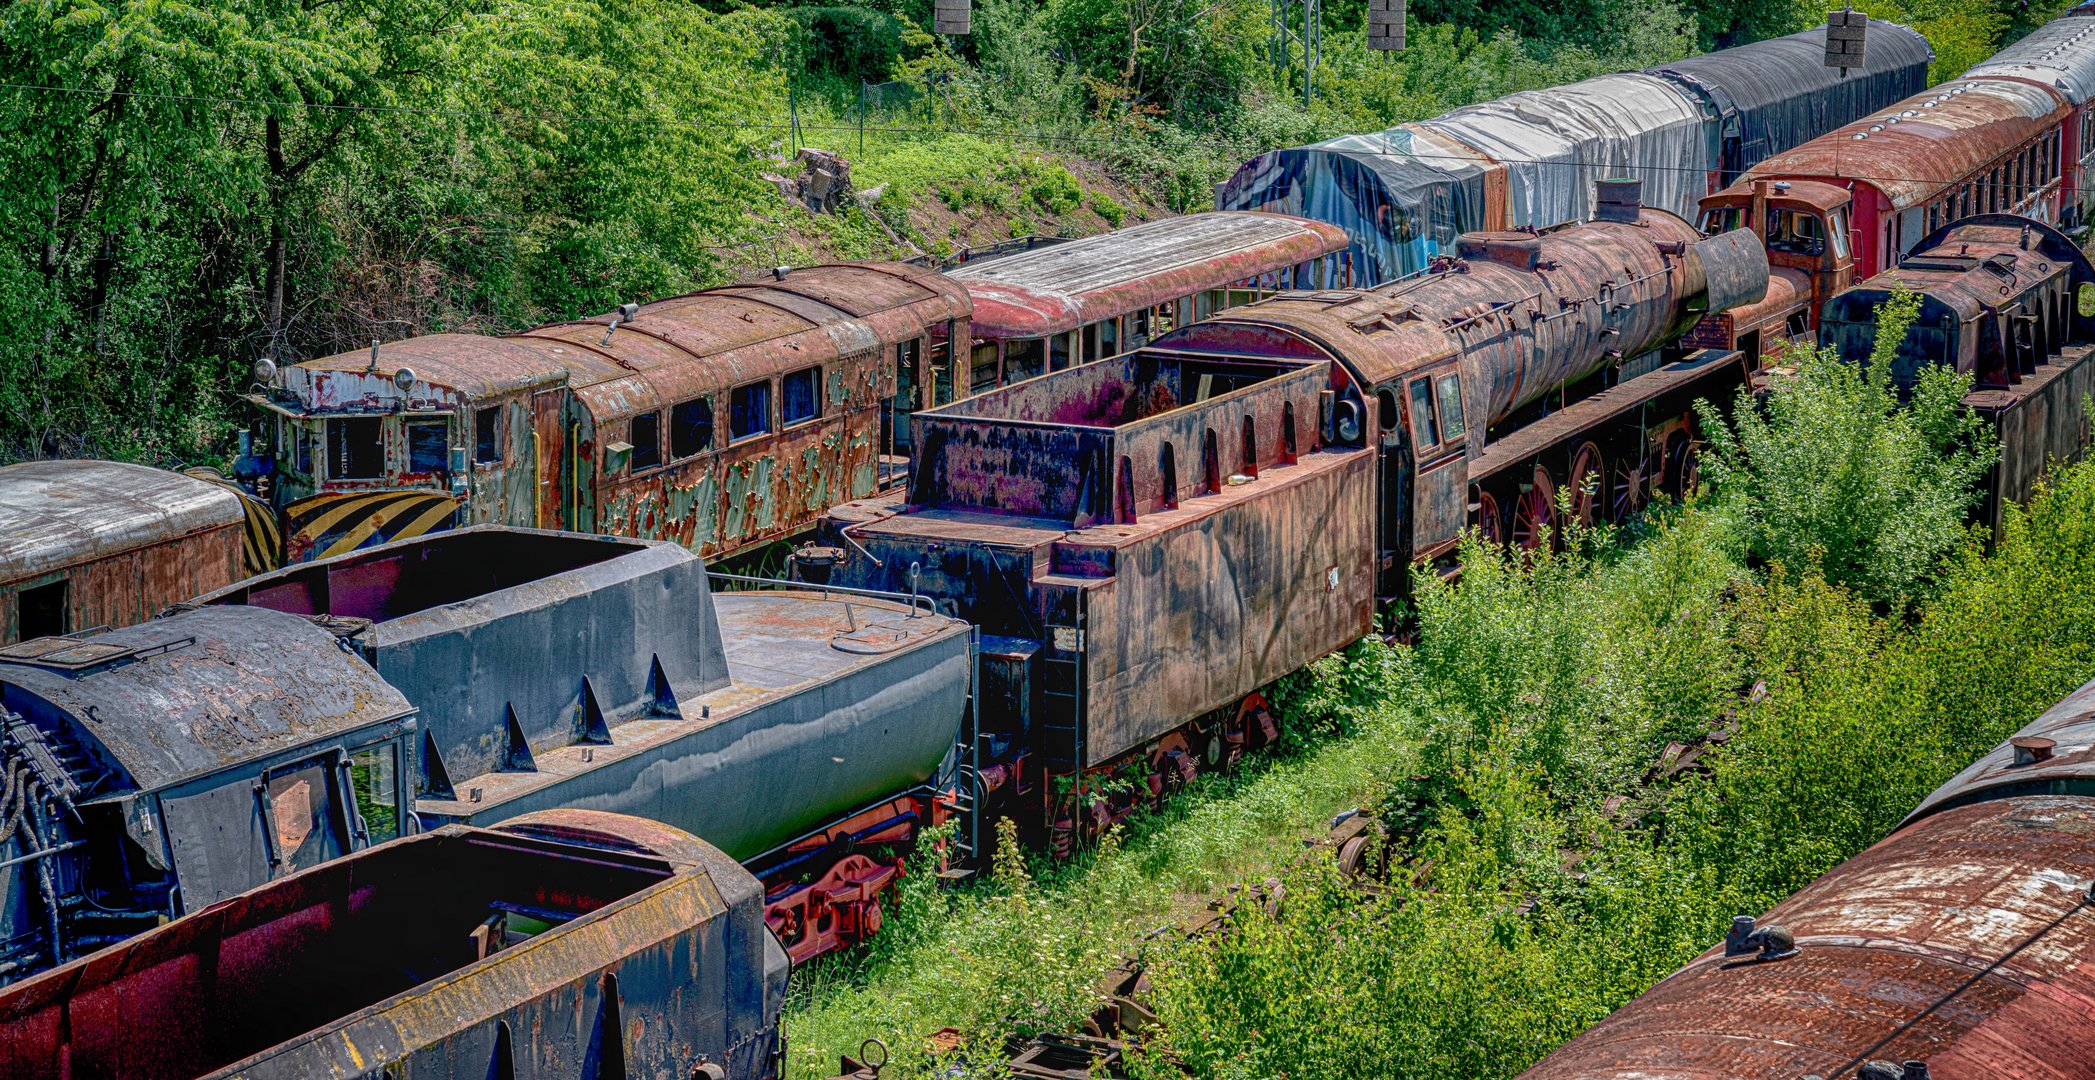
1056,191
1832,472
848,42
1108,209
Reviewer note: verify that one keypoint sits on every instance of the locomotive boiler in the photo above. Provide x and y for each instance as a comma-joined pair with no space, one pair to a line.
1148,541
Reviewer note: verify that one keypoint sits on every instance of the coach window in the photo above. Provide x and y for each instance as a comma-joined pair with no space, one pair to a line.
1023,359
749,411
1138,328
1449,388
355,450
487,446
1058,351
1091,340
1109,337
799,396
691,427
646,438
428,446
1423,429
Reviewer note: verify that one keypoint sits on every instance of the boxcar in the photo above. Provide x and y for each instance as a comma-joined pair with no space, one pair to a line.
101,543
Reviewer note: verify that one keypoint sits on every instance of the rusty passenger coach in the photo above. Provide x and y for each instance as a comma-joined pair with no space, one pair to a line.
571,944
102,543
722,420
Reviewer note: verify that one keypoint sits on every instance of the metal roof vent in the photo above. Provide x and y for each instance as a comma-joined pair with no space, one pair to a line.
1770,942
2032,749
951,17
1844,36
1386,25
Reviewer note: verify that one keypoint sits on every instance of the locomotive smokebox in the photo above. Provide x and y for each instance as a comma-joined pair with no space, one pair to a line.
1734,269
1619,199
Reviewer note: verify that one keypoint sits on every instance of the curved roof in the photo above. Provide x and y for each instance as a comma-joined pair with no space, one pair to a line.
1053,290
1402,196
1913,150
176,698
55,514
2070,766
1555,143
1779,92
672,349
2059,55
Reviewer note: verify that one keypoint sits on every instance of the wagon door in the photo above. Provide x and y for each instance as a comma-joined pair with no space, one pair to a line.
549,438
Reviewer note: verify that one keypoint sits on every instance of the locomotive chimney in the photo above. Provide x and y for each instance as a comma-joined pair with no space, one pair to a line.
1618,200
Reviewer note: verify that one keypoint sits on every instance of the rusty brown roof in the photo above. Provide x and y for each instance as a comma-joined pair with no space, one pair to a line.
56,514
1924,144
1909,951
1056,289
671,349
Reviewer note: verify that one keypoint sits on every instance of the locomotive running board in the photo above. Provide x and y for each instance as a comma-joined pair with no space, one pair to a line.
1583,416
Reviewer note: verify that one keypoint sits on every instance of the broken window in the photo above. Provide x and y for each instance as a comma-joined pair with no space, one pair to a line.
428,446
487,450
646,438
749,411
691,428
355,448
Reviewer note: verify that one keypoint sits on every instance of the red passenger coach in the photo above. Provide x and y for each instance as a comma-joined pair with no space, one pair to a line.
1105,295
1977,146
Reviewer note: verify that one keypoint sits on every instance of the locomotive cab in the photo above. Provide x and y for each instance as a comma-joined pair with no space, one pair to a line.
1804,227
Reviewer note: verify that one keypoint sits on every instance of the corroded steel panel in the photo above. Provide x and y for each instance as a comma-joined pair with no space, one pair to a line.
657,959
1961,940
59,514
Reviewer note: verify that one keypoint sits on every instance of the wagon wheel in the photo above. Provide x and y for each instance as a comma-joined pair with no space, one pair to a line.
1631,488
1489,522
1535,512
1589,485
1682,467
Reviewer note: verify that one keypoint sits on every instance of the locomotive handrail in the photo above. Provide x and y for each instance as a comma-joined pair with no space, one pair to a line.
924,603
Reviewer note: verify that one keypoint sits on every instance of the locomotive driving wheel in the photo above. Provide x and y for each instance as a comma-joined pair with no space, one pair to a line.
1681,469
1535,512
1589,485
1488,518
1631,488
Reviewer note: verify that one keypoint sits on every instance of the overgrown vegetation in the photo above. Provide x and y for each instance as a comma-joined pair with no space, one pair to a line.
186,188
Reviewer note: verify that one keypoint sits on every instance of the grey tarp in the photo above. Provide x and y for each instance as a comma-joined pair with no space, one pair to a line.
1402,195
2060,54
1779,93
1556,143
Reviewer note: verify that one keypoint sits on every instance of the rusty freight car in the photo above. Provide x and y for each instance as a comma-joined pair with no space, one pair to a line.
571,944
1048,308
722,420
1145,542
102,543
1957,948
795,730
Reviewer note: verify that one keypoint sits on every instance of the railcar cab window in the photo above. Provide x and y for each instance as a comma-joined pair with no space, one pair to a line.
487,448
1450,405
1024,358
691,427
646,438
1795,232
1058,351
1723,219
1423,430
800,396
428,446
749,411
355,448
982,374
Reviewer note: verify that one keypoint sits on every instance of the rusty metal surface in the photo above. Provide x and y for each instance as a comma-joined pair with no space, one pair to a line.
2040,423
1056,289
60,514
180,697
369,964
1916,149
1521,331
2067,766
1929,915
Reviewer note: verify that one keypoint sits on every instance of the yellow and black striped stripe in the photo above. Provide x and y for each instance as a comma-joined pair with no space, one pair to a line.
262,542
327,525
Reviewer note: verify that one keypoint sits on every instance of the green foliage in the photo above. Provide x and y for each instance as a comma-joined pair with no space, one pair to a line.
1833,473
851,43
1108,209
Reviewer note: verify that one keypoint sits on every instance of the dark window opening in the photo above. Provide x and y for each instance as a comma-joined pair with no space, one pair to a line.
982,368
428,446
691,427
1024,359
42,610
1058,351
1091,343
1250,463
355,450
1210,464
799,397
1124,492
749,411
1287,433
487,449
1167,465
646,438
